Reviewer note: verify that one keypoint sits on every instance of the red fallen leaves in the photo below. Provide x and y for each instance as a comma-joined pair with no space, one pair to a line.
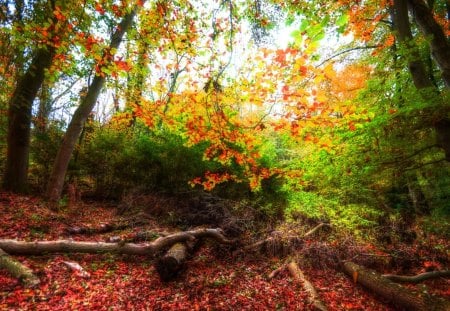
131,283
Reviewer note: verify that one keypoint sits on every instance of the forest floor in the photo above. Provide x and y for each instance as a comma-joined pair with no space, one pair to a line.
213,280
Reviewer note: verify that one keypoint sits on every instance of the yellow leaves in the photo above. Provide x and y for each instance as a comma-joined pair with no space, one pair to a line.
329,71
121,120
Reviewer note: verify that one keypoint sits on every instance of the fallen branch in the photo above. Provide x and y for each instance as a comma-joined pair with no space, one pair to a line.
313,297
77,268
393,292
18,270
315,229
414,279
279,244
149,249
277,271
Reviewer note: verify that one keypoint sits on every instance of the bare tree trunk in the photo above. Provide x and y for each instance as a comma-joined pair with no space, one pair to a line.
439,44
441,52
395,293
19,121
56,181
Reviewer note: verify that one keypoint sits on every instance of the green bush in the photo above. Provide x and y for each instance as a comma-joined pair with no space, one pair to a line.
43,149
120,161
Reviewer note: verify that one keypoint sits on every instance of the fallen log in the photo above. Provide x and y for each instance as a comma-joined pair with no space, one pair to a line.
169,265
414,279
149,249
313,298
18,270
393,292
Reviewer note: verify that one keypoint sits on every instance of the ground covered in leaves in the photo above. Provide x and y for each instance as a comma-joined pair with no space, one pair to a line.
213,280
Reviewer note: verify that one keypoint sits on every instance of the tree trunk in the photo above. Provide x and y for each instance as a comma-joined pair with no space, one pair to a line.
19,121
169,265
17,270
56,181
439,44
441,52
394,293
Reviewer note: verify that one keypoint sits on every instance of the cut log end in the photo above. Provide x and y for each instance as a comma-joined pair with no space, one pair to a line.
172,263
393,292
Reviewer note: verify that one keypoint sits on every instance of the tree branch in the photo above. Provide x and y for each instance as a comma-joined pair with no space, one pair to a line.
348,51
418,278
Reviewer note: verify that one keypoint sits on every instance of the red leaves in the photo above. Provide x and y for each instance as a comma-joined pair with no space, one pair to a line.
352,127
122,65
58,14
99,8
303,70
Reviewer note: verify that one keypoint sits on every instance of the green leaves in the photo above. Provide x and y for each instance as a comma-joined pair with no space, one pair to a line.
341,23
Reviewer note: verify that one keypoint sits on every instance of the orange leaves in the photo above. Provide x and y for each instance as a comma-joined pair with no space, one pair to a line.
210,180
303,70
99,8
59,15
351,126
121,120
281,57
390,40
122,65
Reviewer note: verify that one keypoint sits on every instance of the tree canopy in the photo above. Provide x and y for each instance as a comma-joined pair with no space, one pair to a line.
351,110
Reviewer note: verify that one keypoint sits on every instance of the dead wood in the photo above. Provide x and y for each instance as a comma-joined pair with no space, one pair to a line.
149,249
280,245
277,271
313,297
393,292
173,261
315,229
414,279
77,268
18,270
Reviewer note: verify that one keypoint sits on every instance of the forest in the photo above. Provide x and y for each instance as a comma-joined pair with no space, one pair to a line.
225,155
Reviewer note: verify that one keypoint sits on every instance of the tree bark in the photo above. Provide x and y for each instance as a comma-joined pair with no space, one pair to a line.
169,265
56,181
313,297
149,249
394,293
414,279
439,44
19,121
440,51
17,270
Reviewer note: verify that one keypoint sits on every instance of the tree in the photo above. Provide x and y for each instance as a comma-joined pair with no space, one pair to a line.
21,100
87,102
